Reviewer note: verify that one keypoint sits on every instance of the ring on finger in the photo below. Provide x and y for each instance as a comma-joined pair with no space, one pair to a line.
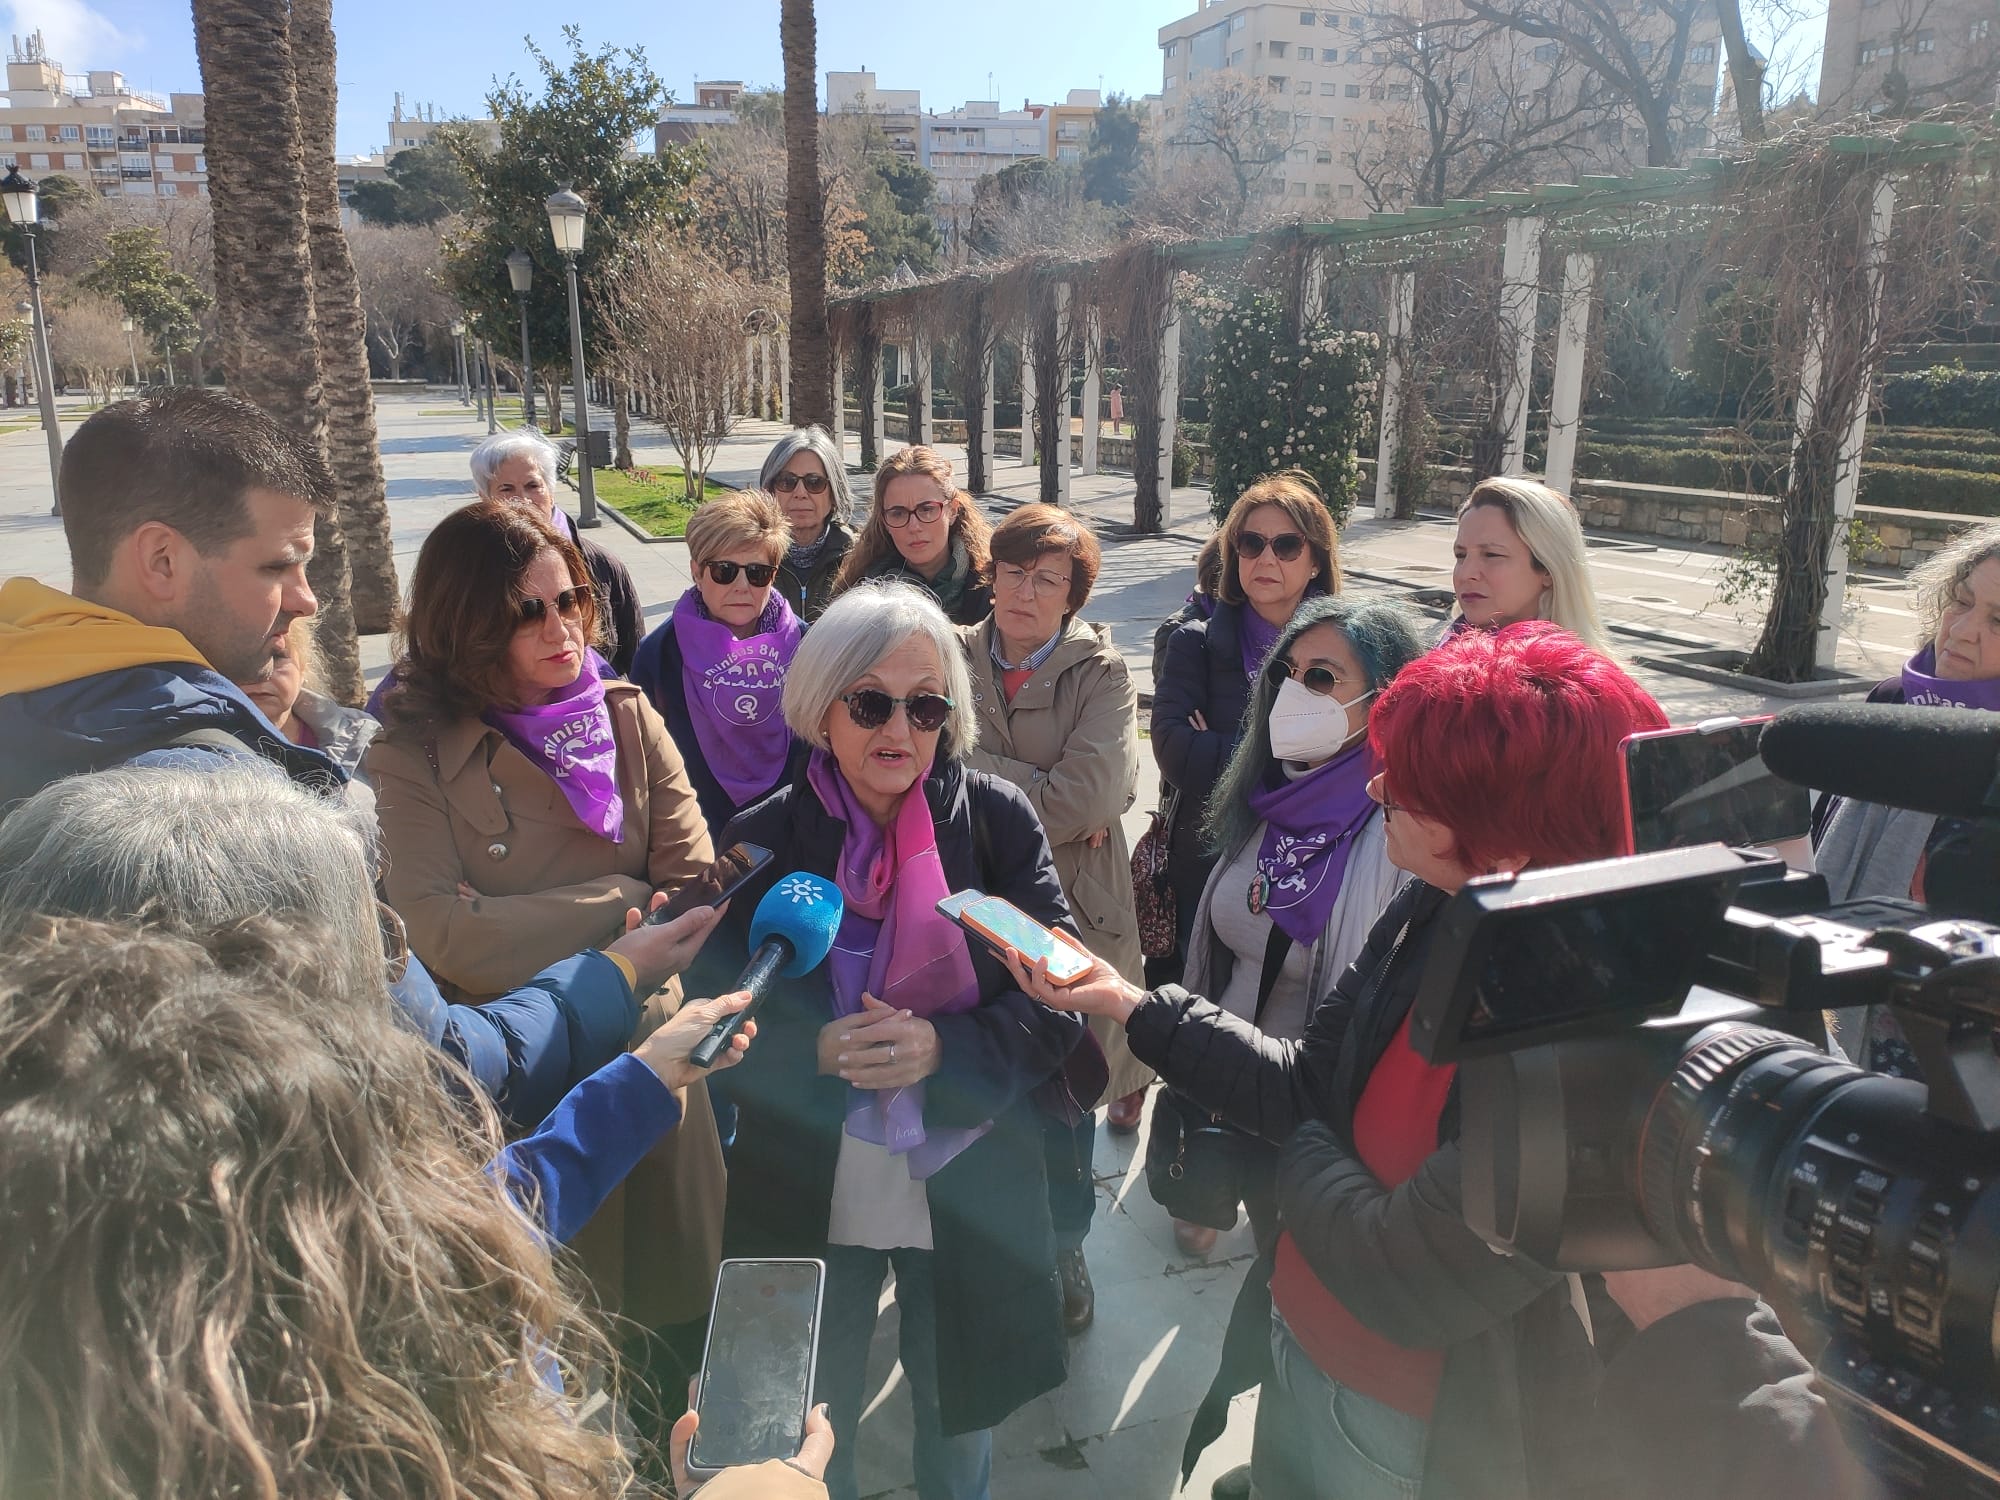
892,1052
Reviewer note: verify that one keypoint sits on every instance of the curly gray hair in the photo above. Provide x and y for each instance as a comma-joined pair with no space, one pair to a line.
1935,583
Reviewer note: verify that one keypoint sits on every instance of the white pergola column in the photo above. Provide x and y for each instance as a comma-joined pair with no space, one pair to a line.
1170,402
748,389
920,370
1847,462
1520,290
1059,398
767,367
1566,392
1093,388
986,412
1402,306
1028,399
1313,296
839,398
874,377
785,378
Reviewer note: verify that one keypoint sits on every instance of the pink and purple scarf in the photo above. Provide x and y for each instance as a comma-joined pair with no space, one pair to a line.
734,690
892,944
570,738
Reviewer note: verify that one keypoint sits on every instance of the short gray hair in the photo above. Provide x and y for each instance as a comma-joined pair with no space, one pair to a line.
496,450
1935,581
817,441
191,851
860,628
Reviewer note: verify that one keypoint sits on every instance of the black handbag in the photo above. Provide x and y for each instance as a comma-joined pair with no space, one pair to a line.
1197,1163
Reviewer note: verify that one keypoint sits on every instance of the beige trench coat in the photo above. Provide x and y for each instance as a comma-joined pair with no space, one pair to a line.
548,887
1070,740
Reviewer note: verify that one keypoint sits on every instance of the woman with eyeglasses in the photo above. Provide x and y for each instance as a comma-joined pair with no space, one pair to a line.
1277,546
1059,717
715,667
926,531
1421,1362
527,800
804,472
887,1116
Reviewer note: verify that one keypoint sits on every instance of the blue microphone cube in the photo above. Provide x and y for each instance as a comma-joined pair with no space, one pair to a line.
805,911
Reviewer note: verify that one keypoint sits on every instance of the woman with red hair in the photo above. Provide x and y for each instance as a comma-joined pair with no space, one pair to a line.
1418,1360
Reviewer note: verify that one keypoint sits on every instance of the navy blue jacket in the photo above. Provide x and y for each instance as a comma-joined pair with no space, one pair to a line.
588,1144
1203,673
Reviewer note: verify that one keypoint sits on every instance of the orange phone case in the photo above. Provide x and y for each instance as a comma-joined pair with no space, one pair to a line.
1001,944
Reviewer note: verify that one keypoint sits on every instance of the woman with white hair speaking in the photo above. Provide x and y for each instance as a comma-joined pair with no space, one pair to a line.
888,1115
521,467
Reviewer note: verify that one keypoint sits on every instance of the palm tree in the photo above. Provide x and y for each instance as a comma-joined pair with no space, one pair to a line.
264,269
343,331
805,217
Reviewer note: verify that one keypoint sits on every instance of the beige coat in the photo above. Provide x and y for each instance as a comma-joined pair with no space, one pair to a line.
548,887
1070,740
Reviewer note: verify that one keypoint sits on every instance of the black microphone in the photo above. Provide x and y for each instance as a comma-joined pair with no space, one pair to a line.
791,932
1941,761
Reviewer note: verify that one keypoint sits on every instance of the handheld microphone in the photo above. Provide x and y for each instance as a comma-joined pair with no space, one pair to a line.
1940,761
791,933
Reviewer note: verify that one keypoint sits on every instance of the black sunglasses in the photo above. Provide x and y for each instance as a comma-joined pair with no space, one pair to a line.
724,572
1313,679
1287,544
569,604
813,484
870,708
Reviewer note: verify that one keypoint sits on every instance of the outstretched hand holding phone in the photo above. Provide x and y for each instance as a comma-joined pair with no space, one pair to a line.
811,1461
1102,991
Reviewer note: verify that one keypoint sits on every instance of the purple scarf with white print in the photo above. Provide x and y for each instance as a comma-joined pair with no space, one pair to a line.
570,738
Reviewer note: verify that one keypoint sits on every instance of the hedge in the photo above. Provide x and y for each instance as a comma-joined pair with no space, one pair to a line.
1905,488
1944,396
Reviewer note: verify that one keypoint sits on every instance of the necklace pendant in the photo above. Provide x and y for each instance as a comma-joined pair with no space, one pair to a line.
1260,893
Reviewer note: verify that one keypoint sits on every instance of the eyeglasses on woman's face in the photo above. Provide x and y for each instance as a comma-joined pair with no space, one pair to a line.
871,708
812,484
531,612
896,517
1322,680
1009,578
724,572
1286,545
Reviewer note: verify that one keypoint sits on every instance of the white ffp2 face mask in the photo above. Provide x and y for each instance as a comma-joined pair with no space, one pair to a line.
1309,726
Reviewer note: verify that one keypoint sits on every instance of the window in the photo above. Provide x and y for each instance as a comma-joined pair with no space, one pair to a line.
1327,124
100,136
1354,54
1277,49
1923,41
1303,86
1374,127
1236,58
69,133
1347,190
36,133
1355,23
1308,18
1299,153
1323,157
1322,190
1277,82
1696,97
1305,54
1376,91
1612,133
73,163
1869,51
9,160
1399,92
1981,30
6,132
1354,91
1702,52
1298,190
201,164
1170,85
1378,58
1546,52
169,190
1643,50
40,162
1238,21
1173,49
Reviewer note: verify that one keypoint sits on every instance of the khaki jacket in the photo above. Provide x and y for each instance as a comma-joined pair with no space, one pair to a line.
548,887
1070,740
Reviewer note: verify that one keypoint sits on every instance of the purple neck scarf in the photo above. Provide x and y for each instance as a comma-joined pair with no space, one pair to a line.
1258,635
1922,685
892,944
570,738
1310,826
733,690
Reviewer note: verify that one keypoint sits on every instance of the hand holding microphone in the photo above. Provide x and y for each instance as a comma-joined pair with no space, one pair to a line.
791,932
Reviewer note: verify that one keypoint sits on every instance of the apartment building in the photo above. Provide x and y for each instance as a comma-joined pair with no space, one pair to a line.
963,145
897,113
1903,57
98,130
1071,122
714,104
1340,98
420,127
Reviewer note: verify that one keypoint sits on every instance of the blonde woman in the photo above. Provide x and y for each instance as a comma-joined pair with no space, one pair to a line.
303,715
715,668
1519,556
924,529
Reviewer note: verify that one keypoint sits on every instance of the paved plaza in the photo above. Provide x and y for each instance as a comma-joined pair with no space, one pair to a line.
1116,1428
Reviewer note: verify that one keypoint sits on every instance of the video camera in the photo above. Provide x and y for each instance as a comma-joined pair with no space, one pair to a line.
1643,1082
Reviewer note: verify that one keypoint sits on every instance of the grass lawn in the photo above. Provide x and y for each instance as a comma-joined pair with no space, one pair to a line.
508,409
7,427
655,498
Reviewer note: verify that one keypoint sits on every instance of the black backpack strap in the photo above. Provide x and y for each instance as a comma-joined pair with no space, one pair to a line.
1276,947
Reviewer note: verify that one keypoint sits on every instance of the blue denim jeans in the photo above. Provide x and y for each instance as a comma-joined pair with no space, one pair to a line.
948,1468
1359,1448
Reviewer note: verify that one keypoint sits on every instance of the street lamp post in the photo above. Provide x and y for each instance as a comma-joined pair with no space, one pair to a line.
25,209
458,355
521,272
566,212
133,349
492,386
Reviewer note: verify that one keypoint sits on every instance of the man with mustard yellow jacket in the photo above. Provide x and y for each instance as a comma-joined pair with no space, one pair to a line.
189,517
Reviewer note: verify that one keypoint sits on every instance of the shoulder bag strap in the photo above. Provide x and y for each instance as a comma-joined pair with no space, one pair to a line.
1276,946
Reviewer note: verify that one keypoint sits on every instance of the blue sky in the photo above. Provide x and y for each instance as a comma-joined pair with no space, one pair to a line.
446,52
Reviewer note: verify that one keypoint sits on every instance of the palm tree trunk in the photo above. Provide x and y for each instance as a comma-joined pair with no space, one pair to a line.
263,267
805,218
343,329
621,418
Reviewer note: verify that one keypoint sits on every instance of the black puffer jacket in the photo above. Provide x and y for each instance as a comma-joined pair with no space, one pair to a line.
1202,673
1519,1375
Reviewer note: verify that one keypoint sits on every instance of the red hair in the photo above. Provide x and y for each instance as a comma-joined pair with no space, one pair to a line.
1510,739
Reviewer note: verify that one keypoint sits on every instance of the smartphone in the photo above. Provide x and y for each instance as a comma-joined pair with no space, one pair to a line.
756,1385
1705,784
1004,925
714,885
